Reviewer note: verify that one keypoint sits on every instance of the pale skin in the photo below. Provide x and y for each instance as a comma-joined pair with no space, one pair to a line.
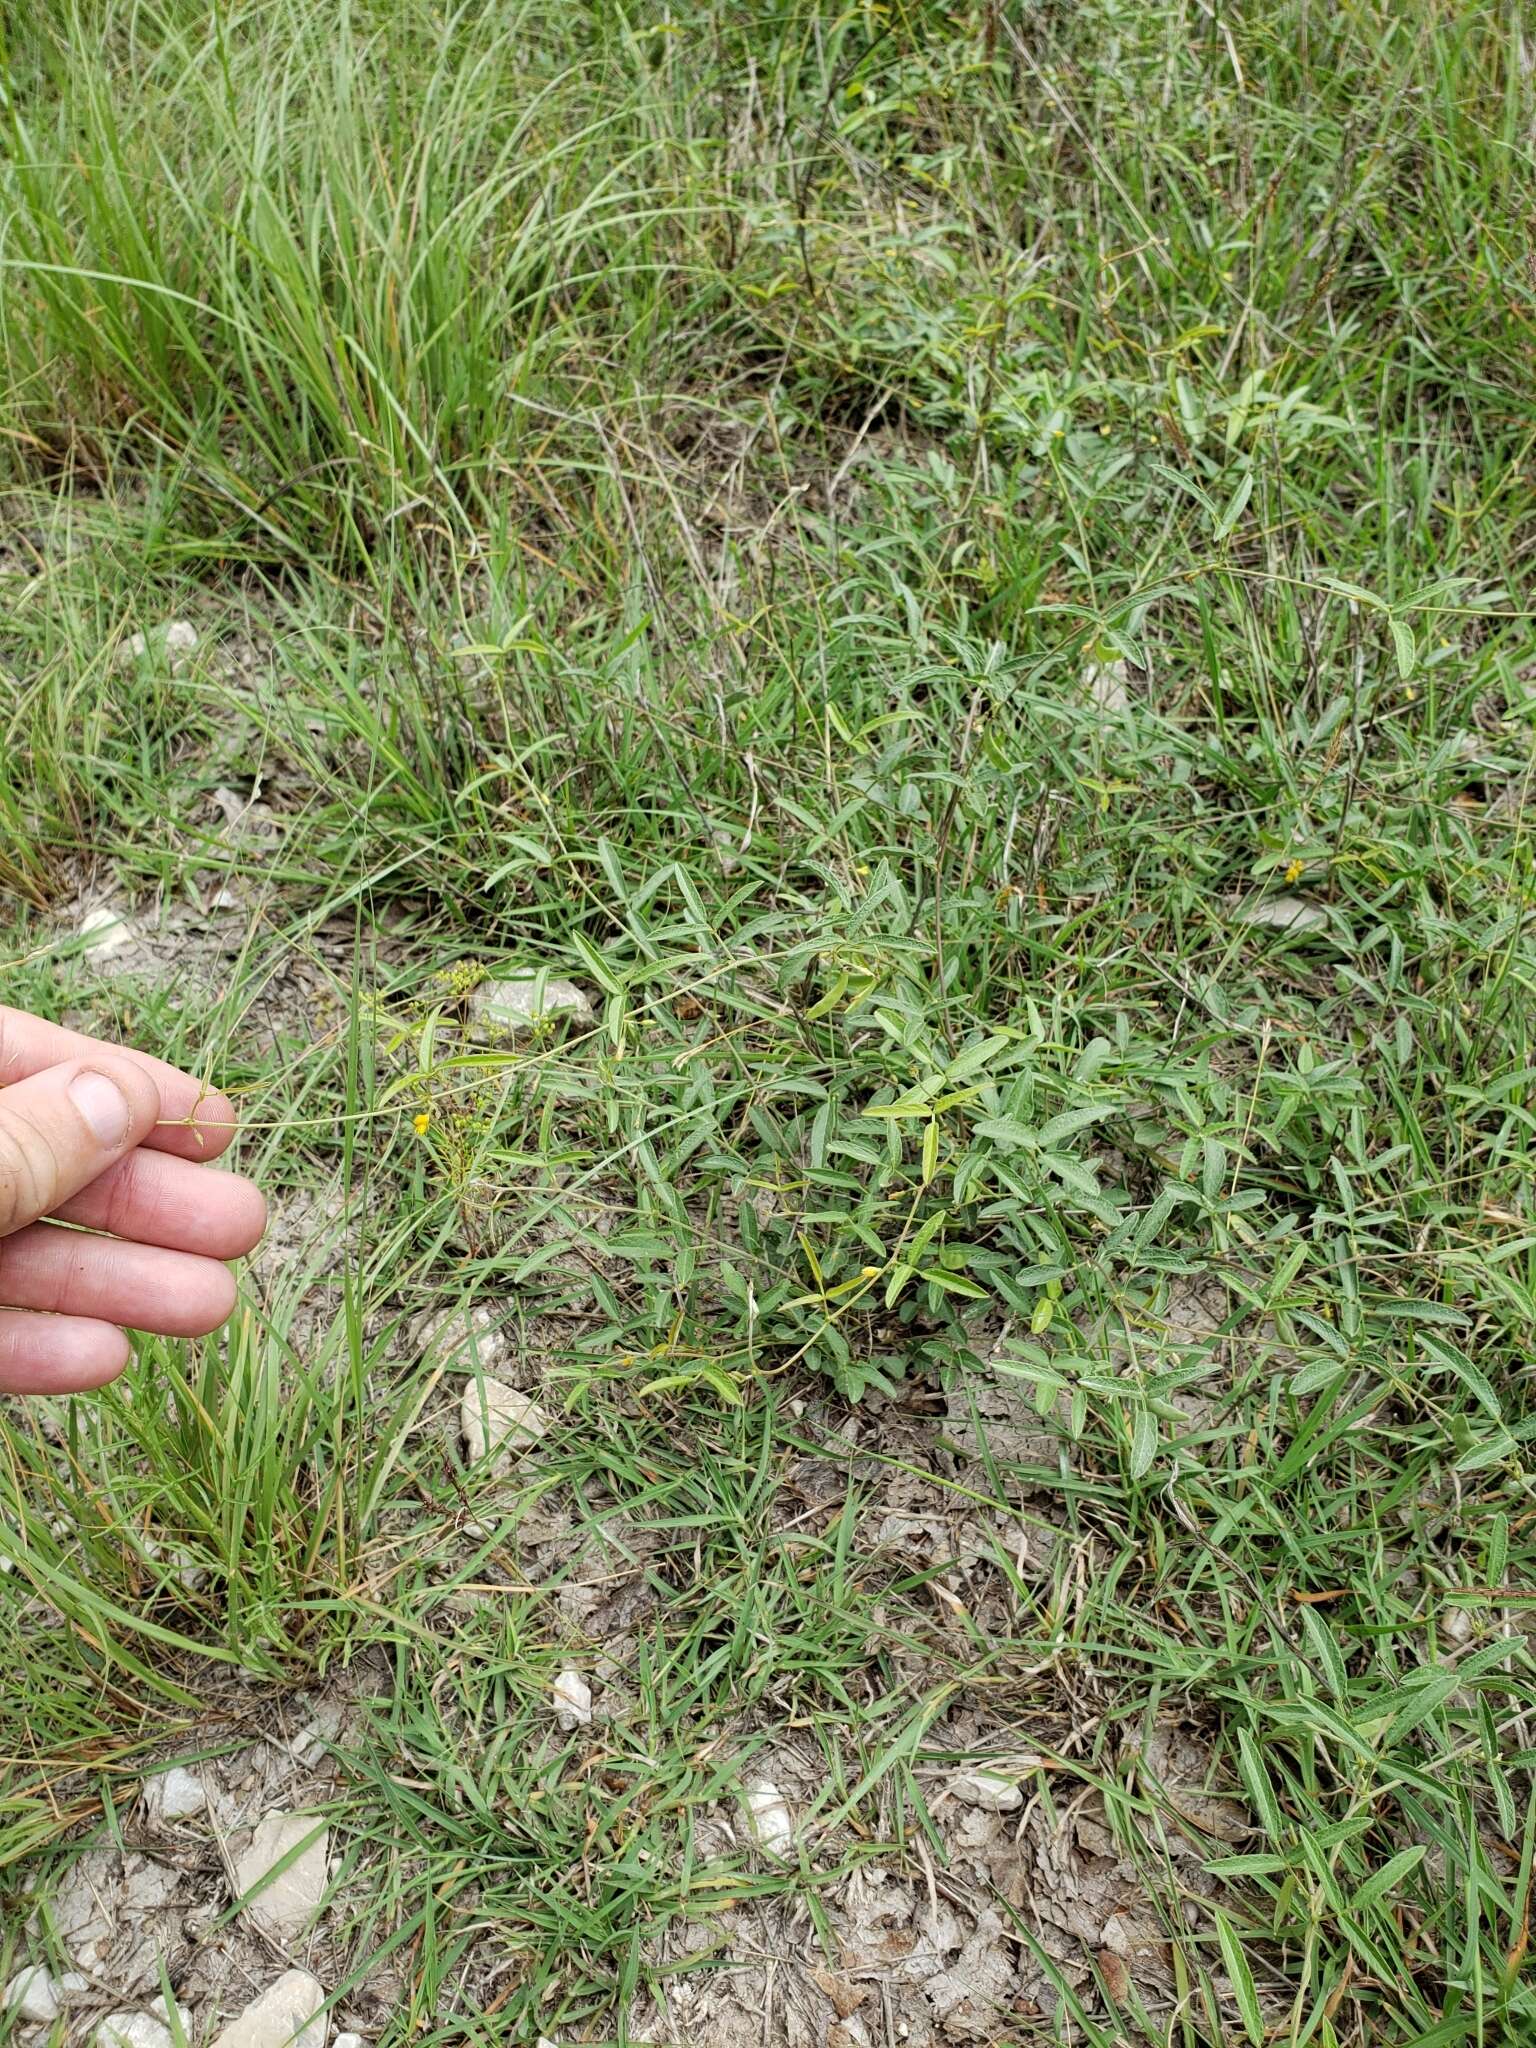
116,1141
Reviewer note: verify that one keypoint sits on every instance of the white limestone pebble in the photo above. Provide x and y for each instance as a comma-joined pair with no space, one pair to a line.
175,1794
992,1791
178,638
132,2030
461,1339
1283,913
1106,683
32,1994
573,1701
105,932
496,1417
513,1007
288,2014
770,1819
284,1907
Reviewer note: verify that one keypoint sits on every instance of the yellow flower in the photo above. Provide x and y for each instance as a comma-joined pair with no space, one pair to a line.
420,1122
1295,869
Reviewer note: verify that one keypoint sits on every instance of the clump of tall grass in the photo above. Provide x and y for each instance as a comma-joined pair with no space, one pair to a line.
341,270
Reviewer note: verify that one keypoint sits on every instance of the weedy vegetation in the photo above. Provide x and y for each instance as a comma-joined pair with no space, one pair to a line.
963,571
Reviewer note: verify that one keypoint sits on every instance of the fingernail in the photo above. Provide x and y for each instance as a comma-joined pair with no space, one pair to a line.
103,1105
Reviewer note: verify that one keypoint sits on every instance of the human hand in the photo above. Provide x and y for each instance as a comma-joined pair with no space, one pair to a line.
117,1141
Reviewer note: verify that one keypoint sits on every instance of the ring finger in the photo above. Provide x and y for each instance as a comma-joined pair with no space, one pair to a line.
72,1273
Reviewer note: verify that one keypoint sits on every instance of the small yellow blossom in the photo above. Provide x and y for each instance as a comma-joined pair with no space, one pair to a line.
420,1121
1294,870
870,1272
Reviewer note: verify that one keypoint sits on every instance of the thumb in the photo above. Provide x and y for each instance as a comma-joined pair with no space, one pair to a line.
61,1128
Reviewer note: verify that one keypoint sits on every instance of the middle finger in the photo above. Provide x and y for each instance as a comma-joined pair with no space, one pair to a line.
155,1198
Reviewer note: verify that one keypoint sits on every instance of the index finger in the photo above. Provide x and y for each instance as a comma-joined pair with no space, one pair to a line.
198,1122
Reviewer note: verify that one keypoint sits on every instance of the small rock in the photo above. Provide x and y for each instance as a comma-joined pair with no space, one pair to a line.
288,2014
518,1005
132,2030
770,1819
573,1701
312,1740
495,1417
162,2009
81,1918
233,804
284,1907
105,932
349,2041
175,1795
184,1567
993,1791
32,1994
146,1884
1456,1625
323,1719
1135,1938
461,1339
178,638
246,818
1105,683
1282,913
